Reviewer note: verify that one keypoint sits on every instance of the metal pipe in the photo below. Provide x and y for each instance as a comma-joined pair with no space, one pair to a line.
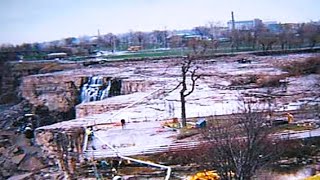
85,143
137,160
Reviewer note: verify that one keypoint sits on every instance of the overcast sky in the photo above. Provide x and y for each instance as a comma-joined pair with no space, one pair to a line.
46,20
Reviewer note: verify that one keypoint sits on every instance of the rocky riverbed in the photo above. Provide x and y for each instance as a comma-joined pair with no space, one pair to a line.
146,93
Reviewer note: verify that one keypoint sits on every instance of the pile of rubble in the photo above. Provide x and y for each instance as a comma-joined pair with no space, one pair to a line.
17,156
21,158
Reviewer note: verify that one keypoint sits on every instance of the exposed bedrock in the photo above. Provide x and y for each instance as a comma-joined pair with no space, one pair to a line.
58,93
62,93
12,73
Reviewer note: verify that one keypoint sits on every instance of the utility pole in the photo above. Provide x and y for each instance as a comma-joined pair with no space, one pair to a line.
233,31
99,42
232,20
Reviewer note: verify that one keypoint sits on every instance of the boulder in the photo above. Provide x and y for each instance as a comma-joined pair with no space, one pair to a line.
17,159
31,164
5,173
8,164
2,150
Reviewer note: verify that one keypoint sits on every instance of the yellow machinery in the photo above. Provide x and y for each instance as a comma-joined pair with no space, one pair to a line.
290,118
205,175
134,48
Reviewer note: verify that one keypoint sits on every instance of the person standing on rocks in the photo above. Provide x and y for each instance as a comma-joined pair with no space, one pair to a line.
89,132
29,133
123,123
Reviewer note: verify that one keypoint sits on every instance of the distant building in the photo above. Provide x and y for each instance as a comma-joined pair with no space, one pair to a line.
245,25
273,26
185,34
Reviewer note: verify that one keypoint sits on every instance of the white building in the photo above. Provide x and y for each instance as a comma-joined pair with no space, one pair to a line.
245,25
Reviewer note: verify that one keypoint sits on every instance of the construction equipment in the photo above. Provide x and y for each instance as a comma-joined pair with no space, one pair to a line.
205,175
134,48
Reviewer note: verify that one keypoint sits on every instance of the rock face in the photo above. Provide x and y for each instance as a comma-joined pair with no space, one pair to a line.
130,86
10,116
63,146
58,93
61,92
11,74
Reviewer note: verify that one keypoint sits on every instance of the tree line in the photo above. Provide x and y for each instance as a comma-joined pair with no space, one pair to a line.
209,38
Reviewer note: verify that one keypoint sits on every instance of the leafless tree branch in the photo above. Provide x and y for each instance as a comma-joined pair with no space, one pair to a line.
240,145
175,87
194,78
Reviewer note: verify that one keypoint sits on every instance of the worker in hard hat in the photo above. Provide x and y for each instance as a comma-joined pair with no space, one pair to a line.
89,132
29,133
290,118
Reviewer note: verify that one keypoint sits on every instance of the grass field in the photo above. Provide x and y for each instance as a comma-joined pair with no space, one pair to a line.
160,52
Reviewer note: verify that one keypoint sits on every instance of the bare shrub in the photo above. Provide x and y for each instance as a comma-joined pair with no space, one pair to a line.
240,145
307,66
243,80
185,156
269,80
260,80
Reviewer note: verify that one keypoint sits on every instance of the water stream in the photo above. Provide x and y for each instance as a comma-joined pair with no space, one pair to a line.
95,89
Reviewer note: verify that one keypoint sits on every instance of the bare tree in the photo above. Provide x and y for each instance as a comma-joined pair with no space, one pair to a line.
235,41
215,30
267,39
188,69
160,38
176,41
110,41
199,46
284,36
241,145
139,38
310,33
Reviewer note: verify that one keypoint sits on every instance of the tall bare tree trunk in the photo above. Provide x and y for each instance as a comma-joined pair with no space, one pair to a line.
185,71
183,110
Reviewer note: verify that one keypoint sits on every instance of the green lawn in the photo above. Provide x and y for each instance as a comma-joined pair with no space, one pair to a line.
147,53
